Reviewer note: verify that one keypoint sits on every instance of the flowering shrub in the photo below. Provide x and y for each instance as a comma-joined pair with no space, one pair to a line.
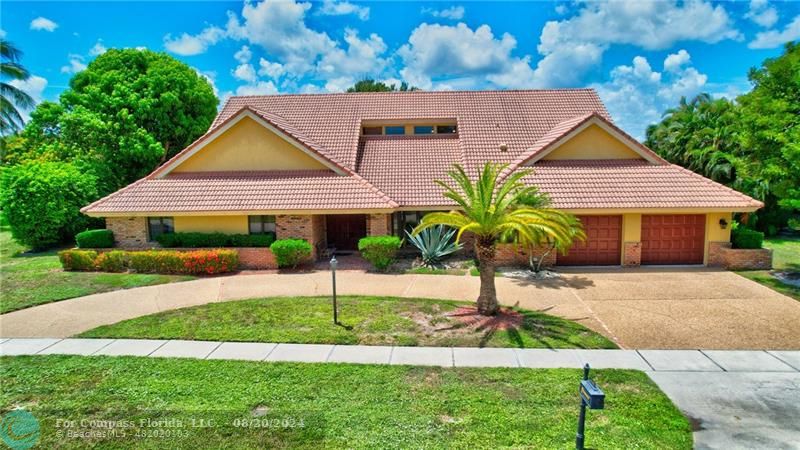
77,259
198,262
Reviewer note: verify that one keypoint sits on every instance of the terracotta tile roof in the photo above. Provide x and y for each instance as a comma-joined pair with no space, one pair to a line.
631,184
405,168
243,191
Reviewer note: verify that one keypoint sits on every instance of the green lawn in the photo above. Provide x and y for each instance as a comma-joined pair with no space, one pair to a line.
364,320
30,279
785,257
332,405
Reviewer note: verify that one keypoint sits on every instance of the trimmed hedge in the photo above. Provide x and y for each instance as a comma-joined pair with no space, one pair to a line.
196,262
380,251
95,239
214,240
742,237
290,252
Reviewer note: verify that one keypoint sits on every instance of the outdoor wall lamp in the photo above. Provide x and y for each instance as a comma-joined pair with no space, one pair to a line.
723,223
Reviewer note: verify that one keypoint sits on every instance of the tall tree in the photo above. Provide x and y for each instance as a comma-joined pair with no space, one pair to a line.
370,85
12,99
494,208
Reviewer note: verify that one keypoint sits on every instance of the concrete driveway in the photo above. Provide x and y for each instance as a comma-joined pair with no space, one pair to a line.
685,308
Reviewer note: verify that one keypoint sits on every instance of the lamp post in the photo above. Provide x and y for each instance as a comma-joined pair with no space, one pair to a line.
334,264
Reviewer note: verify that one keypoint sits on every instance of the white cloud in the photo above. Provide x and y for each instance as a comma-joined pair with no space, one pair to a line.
762,14
260,88
774,38
245,72
343,8
75,64
571,46
188,45
270,69
675,61
453,12
361,57
43,24
2,33
561,9
209,76
636,95
33,86
98,49
243,55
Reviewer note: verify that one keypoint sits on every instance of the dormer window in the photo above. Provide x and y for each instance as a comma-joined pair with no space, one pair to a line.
419,127
445,129
395,130
372,131
423,129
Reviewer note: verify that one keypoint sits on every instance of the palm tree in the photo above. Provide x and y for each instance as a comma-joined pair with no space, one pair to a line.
492,208
11,97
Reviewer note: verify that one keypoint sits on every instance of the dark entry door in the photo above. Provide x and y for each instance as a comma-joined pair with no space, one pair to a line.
345,230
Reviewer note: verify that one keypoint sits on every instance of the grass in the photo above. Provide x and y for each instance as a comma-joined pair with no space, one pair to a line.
333,405
364,320
30,279
429,271
785,257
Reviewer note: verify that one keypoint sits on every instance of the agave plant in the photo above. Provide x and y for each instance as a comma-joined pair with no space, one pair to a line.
434,244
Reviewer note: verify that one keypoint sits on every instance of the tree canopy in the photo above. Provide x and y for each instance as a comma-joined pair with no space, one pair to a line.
370,85
751,143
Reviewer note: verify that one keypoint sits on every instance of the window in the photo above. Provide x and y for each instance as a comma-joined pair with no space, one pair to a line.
395,130
403,221
157,226
446,129
371,131
423,129
261,224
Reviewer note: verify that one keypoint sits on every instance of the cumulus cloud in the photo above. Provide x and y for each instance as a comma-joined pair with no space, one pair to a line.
452,13
362,57
43,24
98,49
188,45
762,13
343,8
270,69
33,86
260,88
243,55
75,64
245,72
775,38
636,94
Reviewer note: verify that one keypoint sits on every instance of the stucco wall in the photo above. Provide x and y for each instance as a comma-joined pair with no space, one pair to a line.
593,143
212,224
247,145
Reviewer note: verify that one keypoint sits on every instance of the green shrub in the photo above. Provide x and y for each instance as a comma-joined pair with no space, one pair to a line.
95,239
113,261
380,251
742,237
196,262
290,252
214,240
42,201
78,259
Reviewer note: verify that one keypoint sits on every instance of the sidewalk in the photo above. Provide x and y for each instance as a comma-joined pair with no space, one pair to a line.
645,360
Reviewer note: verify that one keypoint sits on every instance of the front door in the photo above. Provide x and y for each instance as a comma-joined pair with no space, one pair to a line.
345,230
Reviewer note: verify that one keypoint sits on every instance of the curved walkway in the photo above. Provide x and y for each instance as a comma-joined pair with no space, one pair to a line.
638,308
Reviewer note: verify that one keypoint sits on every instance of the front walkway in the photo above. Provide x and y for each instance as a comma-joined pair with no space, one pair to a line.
675,308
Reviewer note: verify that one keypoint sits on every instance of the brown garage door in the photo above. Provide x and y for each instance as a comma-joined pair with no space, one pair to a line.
602,246
673,238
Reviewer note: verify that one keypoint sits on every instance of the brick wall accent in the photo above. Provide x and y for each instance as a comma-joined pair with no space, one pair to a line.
129,232
310,228
256,258
632,254
747,259
515,255
379,224
715,256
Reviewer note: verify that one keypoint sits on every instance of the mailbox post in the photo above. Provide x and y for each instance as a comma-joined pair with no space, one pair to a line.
591,396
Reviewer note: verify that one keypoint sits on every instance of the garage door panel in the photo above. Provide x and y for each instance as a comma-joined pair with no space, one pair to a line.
603,243
673,239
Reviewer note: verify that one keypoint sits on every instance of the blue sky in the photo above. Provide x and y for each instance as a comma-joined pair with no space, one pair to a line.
640,56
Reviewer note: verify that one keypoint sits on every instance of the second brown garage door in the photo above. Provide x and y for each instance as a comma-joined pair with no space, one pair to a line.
673,238
602,246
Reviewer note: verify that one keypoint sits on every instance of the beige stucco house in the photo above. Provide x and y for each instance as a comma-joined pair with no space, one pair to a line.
332,168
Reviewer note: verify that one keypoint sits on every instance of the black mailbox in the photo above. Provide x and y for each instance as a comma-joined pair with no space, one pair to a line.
592,395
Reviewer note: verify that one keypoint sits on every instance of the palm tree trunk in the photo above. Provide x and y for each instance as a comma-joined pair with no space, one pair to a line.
487,299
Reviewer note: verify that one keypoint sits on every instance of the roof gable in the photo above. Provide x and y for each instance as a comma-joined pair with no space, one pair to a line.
592,142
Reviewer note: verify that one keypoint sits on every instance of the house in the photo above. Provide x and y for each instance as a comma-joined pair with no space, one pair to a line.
332,168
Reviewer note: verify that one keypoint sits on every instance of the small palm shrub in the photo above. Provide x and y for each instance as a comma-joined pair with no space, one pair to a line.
380,251
434,244
95,239
290,252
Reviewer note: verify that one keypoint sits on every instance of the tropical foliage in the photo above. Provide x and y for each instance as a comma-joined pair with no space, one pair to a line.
492,208
751,144
434,244
370,85
12,99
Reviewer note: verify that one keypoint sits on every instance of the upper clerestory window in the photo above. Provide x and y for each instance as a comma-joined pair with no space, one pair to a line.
394,131
372,131
445,129
423,129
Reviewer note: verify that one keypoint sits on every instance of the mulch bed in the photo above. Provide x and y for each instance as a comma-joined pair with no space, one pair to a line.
505,318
